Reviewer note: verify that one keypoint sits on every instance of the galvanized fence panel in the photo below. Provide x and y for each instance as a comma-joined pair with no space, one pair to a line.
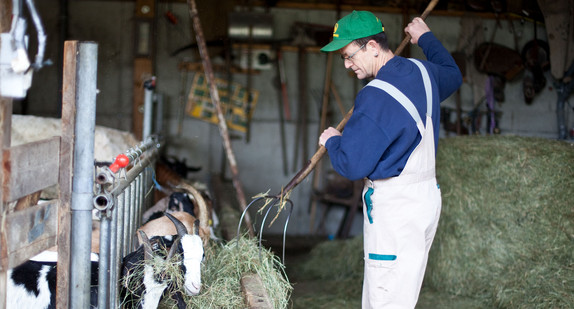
122,196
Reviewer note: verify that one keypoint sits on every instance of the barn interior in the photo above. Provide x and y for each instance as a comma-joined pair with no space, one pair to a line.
167,72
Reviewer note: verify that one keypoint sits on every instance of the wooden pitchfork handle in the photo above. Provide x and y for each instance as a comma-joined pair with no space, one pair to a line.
306,170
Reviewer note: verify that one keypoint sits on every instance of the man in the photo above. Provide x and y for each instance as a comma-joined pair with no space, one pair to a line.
390,141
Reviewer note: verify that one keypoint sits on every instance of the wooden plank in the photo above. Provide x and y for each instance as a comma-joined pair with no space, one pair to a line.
31,167
29,232
254,292
5,124
66,167
5,127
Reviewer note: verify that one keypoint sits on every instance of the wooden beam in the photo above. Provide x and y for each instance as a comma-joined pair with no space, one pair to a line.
254,292
5,125
71,51
198,67
30,167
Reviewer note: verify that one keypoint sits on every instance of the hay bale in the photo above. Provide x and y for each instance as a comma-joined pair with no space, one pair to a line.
507,226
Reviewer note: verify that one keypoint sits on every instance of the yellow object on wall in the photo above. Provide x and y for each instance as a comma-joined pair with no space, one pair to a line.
237,107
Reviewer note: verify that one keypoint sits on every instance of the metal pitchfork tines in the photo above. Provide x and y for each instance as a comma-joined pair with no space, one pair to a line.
269,202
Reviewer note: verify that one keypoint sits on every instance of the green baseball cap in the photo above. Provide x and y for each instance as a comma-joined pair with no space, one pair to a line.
356,25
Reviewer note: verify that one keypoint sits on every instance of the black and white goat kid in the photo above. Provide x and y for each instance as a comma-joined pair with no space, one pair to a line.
186,248
33,283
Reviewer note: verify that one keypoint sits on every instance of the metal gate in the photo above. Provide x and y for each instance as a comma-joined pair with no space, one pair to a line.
123,191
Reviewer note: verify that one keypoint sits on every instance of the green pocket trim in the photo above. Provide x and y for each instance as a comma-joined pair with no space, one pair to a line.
382,257
369,203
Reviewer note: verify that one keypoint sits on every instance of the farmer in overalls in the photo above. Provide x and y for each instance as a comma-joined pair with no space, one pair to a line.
390,141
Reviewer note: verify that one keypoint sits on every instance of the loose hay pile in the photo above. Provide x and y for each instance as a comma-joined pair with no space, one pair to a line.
225,265
506,235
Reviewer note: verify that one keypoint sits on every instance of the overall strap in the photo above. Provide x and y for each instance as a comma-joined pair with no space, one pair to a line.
397,95
427,83
402,98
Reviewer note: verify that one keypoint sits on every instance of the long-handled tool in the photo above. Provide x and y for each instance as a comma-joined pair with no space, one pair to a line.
215,100
282,198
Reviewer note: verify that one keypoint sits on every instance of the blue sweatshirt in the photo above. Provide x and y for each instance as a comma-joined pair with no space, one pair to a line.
381,135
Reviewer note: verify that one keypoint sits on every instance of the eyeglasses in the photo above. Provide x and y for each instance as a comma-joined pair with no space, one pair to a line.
353,54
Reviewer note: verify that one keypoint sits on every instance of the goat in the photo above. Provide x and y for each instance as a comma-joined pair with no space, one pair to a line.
176,201
163,226
33,283
148,295
170,179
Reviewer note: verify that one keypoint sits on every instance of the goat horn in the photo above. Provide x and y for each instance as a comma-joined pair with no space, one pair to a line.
196,227
148,252
174,247
181,230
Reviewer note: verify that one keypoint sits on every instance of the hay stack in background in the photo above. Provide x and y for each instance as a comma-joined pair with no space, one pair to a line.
331,276
506,234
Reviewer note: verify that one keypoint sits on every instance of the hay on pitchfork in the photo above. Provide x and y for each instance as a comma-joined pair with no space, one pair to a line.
506,232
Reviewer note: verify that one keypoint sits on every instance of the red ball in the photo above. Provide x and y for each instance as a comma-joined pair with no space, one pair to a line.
114,167
122,160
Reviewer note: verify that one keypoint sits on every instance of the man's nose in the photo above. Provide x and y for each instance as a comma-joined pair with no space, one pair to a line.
348,63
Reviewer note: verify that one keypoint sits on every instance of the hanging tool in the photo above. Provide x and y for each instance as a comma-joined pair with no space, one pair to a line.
283,81
215,100
283,102
282,198
301,130
337,99
322,123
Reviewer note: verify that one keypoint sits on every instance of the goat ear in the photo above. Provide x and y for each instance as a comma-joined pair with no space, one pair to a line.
174,247
148,251
181,230
196,227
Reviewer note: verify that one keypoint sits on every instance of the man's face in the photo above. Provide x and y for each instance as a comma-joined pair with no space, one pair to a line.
357,59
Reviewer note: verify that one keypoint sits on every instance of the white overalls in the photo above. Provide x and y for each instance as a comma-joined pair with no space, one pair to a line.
401,216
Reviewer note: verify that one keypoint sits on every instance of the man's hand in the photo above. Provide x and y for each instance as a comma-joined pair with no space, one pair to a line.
327,134
416,28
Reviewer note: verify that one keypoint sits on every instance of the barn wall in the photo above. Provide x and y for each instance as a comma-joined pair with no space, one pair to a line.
110,23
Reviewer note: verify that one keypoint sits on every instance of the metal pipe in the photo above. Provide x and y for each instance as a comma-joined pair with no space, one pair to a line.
103,277
114,260
83,179
149,87
39,61
159,113
127,198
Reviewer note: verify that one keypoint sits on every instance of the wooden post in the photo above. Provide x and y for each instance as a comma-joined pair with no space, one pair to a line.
66,167
5,125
